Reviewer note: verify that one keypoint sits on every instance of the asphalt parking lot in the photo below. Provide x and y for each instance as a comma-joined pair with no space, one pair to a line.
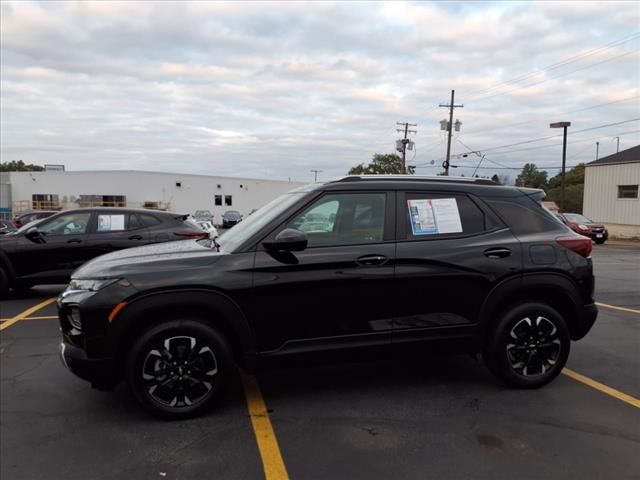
445,418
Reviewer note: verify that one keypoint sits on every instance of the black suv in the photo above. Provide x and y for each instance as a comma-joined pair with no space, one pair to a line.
389,262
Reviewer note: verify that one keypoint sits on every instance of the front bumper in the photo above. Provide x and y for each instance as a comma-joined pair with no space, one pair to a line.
100,372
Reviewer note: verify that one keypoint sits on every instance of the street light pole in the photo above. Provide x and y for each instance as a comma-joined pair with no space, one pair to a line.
564,126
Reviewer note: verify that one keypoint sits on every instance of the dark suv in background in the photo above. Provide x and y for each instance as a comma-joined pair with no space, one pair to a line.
48,250
457,264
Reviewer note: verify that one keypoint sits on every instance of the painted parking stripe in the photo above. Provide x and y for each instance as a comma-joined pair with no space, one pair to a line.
615,307
603,388
27,313
45,317
272,462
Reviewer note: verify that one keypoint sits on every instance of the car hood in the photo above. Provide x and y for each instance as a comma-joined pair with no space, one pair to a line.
595,225
159,257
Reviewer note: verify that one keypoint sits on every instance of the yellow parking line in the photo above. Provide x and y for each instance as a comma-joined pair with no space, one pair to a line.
614,307
272,462
603,388
46,317
28,312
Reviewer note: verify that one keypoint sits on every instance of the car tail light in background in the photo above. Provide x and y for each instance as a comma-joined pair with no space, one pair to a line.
191,234
580,245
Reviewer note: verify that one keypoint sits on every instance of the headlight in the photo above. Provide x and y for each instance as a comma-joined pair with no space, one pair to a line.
583,227
74,318
90,285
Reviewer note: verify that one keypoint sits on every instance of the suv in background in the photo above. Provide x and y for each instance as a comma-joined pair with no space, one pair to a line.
48,250
462,265
203,216
231,218
582,225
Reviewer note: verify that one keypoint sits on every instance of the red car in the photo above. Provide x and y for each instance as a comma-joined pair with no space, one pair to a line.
28,216
582,225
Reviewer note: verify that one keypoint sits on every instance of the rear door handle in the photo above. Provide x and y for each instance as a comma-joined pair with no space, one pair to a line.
370,260
135,237
74,240
497,252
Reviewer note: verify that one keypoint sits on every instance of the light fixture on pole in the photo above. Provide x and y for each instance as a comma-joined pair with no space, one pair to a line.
564,126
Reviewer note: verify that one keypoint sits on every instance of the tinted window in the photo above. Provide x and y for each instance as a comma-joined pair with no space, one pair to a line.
149,220
69,224
134,222
341,219
438,214
523,214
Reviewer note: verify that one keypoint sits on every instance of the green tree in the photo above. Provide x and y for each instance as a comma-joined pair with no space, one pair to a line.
573,191
532,177
19,166
381,164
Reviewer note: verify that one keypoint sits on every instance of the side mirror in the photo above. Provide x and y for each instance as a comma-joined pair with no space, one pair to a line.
288,240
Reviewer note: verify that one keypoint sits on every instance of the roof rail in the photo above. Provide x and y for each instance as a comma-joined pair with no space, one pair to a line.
409,178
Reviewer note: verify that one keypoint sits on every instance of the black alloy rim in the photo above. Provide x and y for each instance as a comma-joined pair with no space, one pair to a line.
179,371
533,347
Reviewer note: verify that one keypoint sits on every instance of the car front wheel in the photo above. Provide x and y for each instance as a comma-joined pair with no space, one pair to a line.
529,346
178,368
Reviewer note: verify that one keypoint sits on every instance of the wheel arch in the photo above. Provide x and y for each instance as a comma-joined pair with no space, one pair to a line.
7,266
214,308
553,289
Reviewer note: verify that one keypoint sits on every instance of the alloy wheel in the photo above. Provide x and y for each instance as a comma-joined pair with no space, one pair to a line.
534,346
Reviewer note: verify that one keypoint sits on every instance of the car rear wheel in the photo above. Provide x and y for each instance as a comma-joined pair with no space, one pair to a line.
178,368
529,346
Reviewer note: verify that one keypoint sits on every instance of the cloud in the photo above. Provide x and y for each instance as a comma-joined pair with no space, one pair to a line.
264,89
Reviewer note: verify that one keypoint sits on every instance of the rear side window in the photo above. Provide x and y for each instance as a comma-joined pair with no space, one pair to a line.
524,215
149,220
430,215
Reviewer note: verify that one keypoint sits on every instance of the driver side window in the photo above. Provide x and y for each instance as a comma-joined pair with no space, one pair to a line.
69,224
343,219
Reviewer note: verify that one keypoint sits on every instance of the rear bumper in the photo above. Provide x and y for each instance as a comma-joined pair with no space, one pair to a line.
100,372
585,321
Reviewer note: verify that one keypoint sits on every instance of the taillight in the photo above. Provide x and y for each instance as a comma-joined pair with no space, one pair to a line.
191,234
580,245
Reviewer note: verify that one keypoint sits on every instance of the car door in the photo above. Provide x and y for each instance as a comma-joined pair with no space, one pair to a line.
116,230
56,249
334,293
451,251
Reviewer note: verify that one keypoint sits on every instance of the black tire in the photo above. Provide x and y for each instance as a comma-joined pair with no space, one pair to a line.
4,283
529,346
600,241
178,392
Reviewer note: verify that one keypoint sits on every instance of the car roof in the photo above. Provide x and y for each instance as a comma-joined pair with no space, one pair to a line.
124,210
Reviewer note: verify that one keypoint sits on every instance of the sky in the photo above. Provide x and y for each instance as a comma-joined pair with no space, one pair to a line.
275,90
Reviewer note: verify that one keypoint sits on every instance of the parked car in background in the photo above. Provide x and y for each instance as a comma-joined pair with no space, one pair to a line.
28,216
48,250
203,216
584,226
401,262
209,228
231,218
7,226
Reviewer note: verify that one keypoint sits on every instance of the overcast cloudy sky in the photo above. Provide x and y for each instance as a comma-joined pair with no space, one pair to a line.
273,90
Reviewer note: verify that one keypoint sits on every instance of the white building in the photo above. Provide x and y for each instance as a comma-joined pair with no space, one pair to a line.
611,192
169,191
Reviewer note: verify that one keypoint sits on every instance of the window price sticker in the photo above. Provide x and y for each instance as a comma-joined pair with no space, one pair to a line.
434,216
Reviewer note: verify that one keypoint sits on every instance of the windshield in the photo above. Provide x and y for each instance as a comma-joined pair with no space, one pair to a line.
231,239
577,218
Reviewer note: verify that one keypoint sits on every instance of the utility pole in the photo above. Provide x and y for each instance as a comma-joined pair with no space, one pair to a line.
401,145
564,126
451,106
597,149
617,144
315,172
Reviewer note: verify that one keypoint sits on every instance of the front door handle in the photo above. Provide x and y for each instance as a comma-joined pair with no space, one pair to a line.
74,240
497,252
135,237
370,260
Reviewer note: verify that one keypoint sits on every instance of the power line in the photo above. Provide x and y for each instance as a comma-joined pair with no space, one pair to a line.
556,65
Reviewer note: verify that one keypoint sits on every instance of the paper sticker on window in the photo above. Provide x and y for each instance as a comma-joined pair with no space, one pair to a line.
434,216
110,223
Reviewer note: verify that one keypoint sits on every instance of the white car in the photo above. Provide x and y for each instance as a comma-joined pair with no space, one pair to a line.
208,227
